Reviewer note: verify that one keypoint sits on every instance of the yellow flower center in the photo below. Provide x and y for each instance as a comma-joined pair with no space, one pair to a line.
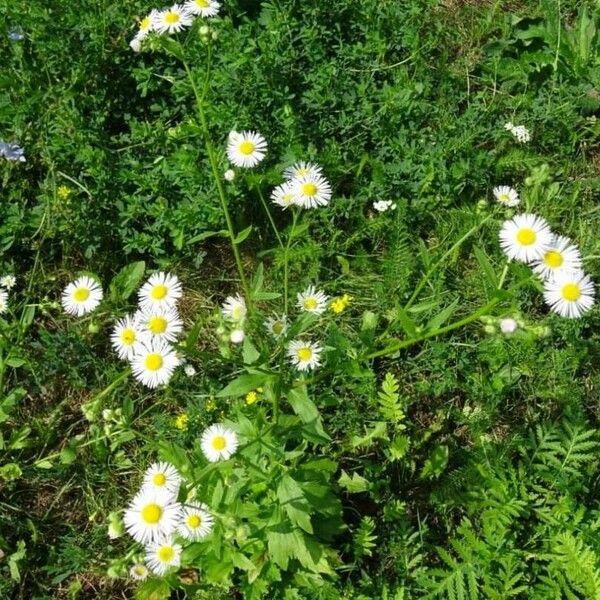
159,479
504,197
194,521
246,147
310,303
236,312
139,570
304,354
145,23
571,292
301,172
219,442
166,554
128,336
309,189
288,198
526,236
157,325
151,513
172,17
553,259
154,362
202,3
81,294
159,292
277,327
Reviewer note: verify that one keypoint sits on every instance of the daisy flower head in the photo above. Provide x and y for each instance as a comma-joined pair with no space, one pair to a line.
525,237
196,522
302,169
126,336
81,296
218,443
203,8
161,322
163,476
283,195
161,290
163,554
171,20
154,362
276,325
138,571
569,293
311,191
136,43
312,300
561,255
8,282
246,149
234,308
152,514
189,370
506,195
304,354
3,301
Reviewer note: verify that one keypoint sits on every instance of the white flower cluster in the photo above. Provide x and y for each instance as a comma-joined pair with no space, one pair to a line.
7,282
384,205
519,132
567,289
304,186
173,19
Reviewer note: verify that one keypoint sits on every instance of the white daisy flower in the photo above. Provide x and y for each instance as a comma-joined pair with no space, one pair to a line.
229,175
163,554
171,20
81,296
283,195
136,43
202,8
508,326
302,169
237,336
3,301
138,571
160,291
234,308
312,300
311,191
246,149
561,255
161,322
304,354
152,514
525,237
196,522
189,370
218,443
8,282
570,294
506,195
126,336
154,362
276,325
163,476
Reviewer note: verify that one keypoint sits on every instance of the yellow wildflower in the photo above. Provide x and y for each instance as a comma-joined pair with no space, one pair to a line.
181,421
251,398
64,192
339,305
211,403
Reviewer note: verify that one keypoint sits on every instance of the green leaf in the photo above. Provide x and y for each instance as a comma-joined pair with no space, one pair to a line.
153,589
354,484
126,281
244,384
14,559
442,316
242,235
436,463
10,472
378,431
294,503
407,323
207,234
249,352
305,408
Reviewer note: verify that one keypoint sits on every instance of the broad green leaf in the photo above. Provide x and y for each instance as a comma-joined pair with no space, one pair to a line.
378,431
292,499
244,384
242,235
354,484
305,408
436,463
126,281
442,316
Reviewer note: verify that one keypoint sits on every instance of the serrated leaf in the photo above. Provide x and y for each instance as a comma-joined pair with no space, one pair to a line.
354,484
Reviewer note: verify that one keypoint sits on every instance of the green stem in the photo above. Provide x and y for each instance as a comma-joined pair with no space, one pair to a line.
503,276
217,177
269,215
286,257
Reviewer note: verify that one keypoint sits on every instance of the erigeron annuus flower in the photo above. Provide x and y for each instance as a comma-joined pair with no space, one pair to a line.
189,370
311,191
151,515
508,326
171,20
312,300
283,195
8,282
234,308
525,237
126,335
81,296
203,8
506,195
3,301
154,362
561,255
138,572
276,325
304,354
246,149
162,290
218,443
302,169
163,554
229,175
162,323
570,294
196,521
163,476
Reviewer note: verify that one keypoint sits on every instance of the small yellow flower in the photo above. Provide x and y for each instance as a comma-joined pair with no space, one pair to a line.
181,421
251,398
211,404
64,192
339,305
